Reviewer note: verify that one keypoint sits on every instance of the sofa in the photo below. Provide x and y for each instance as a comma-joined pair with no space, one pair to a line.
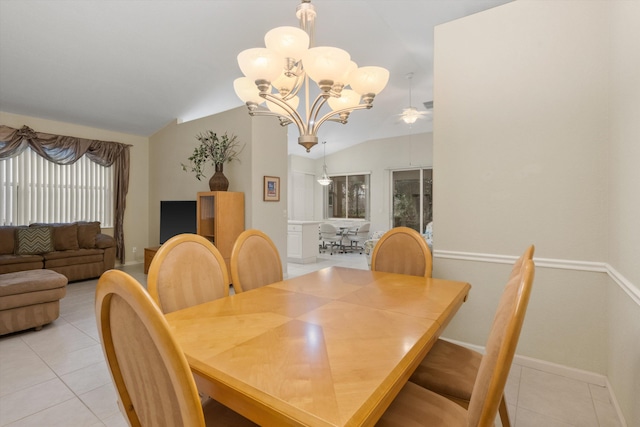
76,250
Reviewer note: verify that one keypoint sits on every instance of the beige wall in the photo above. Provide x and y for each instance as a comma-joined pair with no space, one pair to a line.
535,141
136,213
265,153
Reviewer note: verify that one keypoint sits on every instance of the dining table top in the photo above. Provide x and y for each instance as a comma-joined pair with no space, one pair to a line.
329,348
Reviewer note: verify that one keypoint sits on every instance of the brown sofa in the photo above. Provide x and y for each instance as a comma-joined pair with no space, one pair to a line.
76,250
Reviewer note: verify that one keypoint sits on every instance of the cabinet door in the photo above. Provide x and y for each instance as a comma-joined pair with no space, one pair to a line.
294,244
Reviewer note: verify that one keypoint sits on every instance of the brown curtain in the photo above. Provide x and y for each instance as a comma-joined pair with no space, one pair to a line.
66,150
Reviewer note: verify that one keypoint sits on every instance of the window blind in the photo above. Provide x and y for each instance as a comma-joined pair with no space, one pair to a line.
36,190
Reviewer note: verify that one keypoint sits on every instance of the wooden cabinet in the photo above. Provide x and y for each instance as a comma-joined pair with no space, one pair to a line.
149,253
221,219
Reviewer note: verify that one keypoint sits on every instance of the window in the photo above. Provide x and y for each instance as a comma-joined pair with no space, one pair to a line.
412,198
348,197
33,189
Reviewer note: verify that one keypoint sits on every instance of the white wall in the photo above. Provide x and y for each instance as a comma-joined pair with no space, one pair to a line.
527,150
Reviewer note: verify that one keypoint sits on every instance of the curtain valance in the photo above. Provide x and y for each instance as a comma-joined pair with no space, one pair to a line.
66,150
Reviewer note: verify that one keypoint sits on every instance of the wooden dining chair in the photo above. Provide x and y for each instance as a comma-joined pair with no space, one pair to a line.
150,372
255,261
419,406
187,270
402,250
450,369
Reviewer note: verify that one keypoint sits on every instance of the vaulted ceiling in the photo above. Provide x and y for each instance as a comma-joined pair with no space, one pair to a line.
133,66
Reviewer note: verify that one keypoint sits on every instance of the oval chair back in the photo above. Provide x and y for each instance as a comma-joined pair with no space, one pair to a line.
150,373
187,270
402,250
255,261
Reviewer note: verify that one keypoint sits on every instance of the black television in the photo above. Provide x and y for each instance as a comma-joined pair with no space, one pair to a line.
177,217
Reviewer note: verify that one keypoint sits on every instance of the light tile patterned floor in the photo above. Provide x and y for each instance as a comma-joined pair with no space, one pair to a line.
58,376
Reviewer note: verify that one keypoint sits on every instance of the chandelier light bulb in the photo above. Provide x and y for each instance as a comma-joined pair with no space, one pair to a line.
365,80
260,64
247,91
288,42
326,63
348,99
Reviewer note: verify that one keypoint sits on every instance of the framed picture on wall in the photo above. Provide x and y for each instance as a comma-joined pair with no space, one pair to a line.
271,189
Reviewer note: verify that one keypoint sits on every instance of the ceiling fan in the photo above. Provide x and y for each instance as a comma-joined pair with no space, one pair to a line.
411,114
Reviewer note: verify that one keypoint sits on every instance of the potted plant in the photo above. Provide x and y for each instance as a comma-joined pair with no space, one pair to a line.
217,150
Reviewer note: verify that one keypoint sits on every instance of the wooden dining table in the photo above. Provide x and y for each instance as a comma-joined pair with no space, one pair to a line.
329,348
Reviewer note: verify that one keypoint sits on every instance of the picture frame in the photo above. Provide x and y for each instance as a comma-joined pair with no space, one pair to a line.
271,191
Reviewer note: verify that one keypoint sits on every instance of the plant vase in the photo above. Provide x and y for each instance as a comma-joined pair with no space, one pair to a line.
218,181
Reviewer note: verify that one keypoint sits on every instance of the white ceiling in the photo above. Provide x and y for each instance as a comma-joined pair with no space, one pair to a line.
133,66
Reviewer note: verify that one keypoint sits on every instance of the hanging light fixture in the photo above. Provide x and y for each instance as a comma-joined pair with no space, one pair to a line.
411,114
324,179
277,73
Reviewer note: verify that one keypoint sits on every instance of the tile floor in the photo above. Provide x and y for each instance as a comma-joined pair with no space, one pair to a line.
58,376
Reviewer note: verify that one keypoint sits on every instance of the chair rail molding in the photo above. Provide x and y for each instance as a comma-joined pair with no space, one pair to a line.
599,267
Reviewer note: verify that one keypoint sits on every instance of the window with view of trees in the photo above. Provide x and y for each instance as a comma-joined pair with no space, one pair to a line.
412,198
347,197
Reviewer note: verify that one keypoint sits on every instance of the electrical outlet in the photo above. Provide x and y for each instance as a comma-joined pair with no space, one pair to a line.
135,249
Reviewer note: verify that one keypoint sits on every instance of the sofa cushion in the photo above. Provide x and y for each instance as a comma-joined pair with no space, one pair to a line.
7,238
30,281
87,232
34,240
65,237
79,257
19,259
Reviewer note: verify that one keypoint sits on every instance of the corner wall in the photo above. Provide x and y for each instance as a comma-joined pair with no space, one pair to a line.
535,141
265,153
623,228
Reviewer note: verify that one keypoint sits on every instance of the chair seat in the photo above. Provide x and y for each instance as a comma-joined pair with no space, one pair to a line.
449,370
416,406
216,414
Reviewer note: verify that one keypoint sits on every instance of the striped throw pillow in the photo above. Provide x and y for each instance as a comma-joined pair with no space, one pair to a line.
34,240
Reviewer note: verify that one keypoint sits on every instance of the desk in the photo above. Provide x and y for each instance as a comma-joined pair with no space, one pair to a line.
330,348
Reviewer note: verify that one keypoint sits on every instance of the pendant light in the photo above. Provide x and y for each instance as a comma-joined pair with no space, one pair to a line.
324,179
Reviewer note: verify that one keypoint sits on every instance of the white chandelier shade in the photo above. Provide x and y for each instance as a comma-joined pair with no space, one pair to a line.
281,71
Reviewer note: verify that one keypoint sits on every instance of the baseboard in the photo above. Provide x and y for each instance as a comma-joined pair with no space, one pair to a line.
543,365
562,370
134,262
614,402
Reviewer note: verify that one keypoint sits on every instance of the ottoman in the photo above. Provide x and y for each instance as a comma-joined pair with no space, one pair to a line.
30,299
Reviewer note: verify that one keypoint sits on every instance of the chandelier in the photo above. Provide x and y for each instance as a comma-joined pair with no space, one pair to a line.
324,180
277,74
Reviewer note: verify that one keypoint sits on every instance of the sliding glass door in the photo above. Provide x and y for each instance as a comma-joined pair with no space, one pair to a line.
412,198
